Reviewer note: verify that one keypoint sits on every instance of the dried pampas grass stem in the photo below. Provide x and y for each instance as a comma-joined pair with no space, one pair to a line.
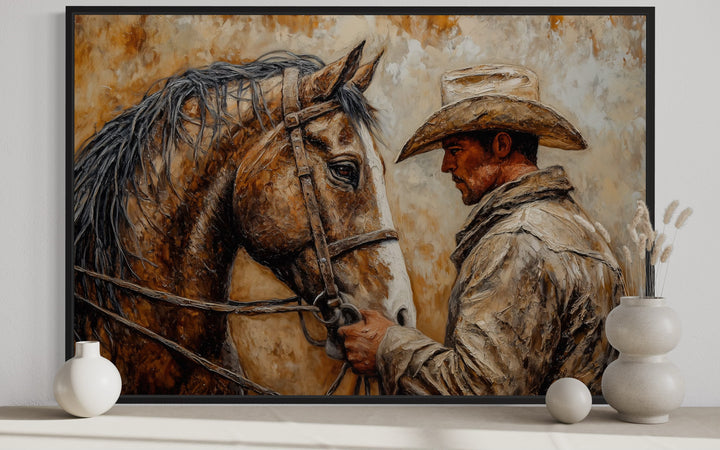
670,211
641,247
587,225
627,253
603,232
683,217
657,248
666,253
652,249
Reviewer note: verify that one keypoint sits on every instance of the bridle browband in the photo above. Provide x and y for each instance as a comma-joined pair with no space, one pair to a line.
328,306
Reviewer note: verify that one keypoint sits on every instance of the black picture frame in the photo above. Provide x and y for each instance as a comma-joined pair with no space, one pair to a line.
72,12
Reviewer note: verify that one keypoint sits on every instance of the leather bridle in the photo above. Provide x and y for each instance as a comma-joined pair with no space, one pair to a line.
328,306
334,309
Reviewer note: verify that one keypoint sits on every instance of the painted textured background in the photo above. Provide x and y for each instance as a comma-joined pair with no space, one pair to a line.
591,69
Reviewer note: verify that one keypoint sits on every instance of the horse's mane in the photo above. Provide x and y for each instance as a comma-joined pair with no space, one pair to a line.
105,167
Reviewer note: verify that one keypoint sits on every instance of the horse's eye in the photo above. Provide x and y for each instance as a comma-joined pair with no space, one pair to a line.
345,172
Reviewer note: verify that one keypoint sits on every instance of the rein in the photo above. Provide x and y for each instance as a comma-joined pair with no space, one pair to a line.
328,307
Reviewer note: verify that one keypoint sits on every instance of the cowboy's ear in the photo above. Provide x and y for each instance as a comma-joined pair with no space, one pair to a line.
502,144
364,74
321,85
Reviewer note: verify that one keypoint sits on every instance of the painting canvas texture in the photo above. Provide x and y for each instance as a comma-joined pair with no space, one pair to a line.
245,186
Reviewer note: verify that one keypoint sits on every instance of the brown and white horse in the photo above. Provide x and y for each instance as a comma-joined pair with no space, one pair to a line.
168,192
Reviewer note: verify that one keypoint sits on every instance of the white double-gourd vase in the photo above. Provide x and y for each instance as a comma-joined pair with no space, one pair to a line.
87,385
642,385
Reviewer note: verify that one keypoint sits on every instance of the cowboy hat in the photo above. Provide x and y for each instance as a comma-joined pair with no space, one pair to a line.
493,97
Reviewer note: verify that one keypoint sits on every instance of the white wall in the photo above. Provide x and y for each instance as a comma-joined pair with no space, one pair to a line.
32,185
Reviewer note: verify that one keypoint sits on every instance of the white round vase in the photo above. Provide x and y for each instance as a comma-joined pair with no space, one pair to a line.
87,385
642,385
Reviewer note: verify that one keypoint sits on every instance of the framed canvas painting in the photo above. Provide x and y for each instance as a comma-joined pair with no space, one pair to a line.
353,204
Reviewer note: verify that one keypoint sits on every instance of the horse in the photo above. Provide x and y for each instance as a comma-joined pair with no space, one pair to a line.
275,158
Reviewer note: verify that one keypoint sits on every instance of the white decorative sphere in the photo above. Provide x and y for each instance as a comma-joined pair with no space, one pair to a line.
568,400
88,384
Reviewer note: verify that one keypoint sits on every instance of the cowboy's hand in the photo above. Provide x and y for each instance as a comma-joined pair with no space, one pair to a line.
362,340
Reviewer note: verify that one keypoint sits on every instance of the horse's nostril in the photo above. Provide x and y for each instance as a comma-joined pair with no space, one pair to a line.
402,317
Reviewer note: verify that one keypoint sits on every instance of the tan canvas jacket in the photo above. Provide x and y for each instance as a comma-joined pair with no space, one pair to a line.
535,283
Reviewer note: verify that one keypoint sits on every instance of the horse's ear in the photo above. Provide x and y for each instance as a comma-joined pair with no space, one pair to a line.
364,74
322,84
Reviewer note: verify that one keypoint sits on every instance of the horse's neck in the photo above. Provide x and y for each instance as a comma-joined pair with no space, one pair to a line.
183,223
183,236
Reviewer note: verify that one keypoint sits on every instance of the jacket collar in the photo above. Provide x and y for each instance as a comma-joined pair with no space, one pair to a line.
542,184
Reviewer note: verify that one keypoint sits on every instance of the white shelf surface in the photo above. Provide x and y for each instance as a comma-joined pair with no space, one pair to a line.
349,426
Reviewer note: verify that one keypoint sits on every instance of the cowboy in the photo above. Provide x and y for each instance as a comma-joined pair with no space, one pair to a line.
535,279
